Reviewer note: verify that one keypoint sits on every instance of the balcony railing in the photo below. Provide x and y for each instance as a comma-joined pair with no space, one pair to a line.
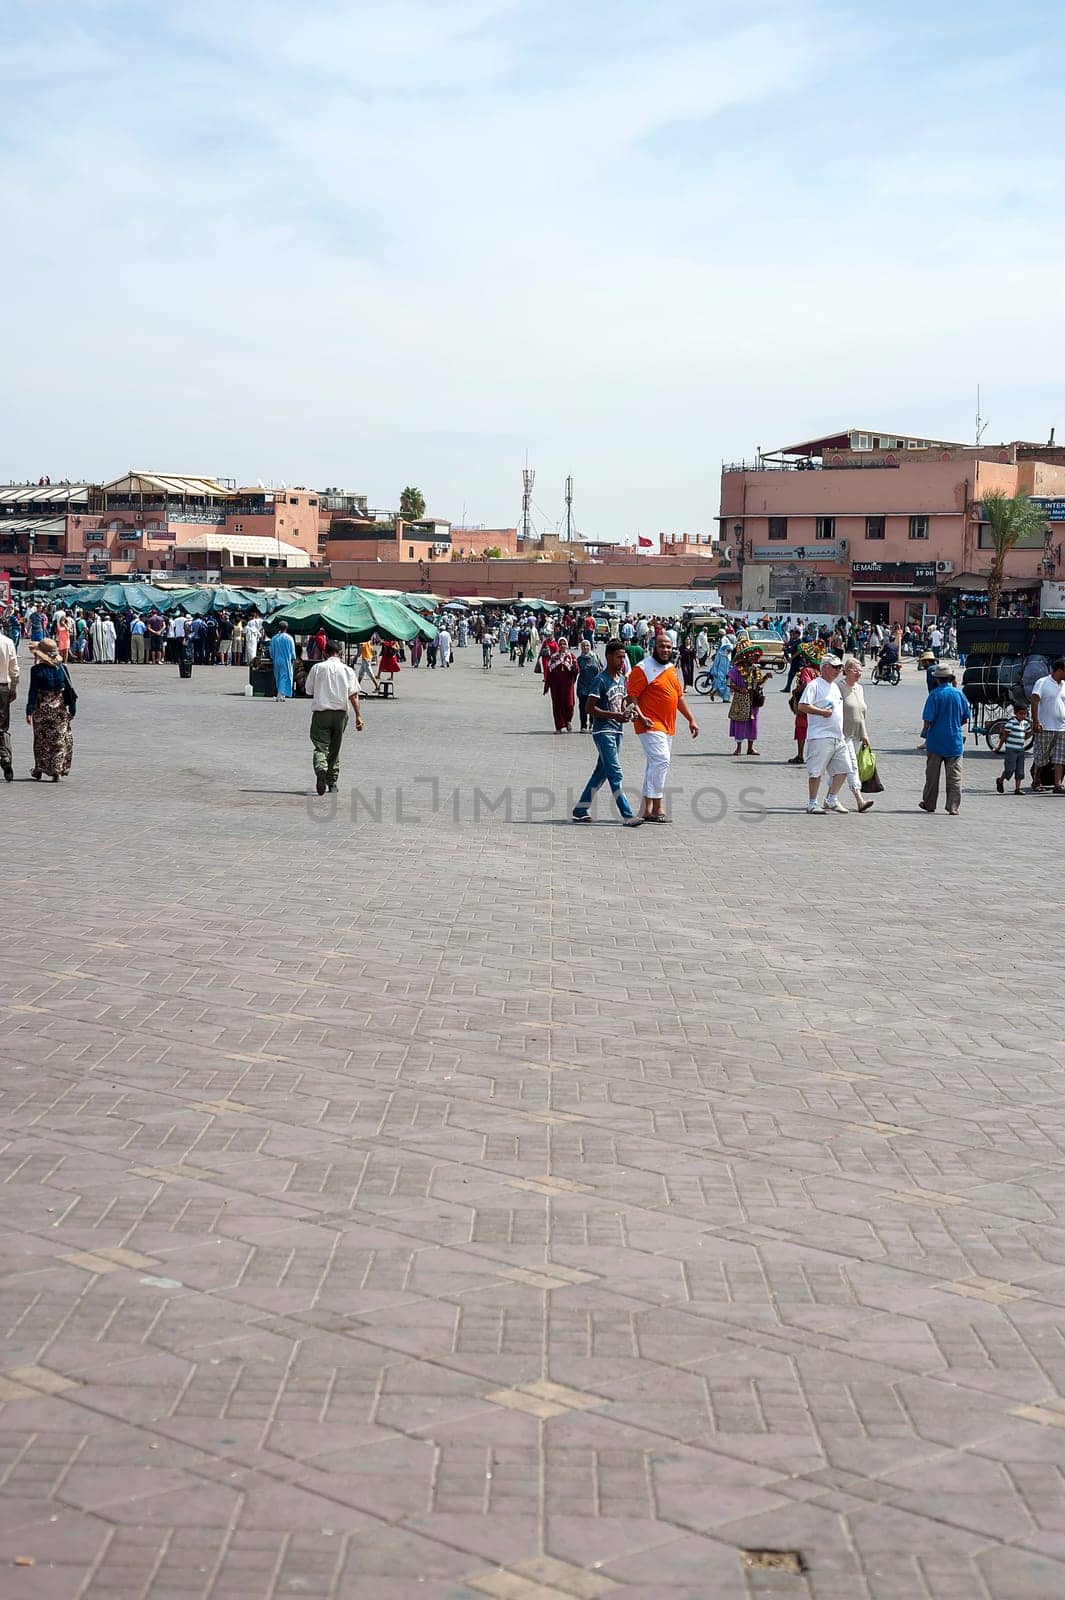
764,464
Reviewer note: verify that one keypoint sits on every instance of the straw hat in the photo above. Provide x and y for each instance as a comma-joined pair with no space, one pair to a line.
47,652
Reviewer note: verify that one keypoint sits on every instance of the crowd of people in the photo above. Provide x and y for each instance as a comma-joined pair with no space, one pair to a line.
128,638
639,680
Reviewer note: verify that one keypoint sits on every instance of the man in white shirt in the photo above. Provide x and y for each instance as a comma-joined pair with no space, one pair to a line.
1048,724
332,686
8,690
826,751
935,639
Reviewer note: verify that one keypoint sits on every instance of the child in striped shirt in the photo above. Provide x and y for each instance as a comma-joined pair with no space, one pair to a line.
1015,731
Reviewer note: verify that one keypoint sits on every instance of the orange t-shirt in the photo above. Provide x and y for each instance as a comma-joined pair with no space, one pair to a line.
657,701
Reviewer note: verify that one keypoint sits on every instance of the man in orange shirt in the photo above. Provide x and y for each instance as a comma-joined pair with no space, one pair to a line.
656,692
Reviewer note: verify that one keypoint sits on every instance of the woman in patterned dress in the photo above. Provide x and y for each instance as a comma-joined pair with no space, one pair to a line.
50,711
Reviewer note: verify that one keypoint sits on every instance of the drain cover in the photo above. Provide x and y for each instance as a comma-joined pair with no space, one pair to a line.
774,1560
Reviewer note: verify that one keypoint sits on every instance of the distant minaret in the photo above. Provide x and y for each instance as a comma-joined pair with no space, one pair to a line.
569,508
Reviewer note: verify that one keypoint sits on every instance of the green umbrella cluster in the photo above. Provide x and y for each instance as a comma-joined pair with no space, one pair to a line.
353,614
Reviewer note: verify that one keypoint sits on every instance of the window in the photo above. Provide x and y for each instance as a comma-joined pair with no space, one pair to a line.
887,444
410,552
826,527
312,502
863,442
292,500
238,527
918,527
778,527
1027,541
875,527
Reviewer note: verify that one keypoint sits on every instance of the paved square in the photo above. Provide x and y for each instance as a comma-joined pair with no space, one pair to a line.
420,1195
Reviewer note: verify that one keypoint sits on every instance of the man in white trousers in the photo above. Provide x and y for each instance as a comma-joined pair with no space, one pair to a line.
657,694
826,749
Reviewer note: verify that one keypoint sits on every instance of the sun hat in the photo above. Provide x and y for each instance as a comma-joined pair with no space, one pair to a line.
926,655
746,649
47,650
831,661
812,652
943,671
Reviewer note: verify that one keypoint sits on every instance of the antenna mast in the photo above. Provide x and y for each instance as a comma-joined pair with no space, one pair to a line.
528,478
569,508
980,426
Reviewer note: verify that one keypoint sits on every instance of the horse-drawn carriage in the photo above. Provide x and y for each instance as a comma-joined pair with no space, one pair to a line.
1004,657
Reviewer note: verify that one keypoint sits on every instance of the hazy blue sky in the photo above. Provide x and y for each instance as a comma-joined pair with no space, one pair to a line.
380,243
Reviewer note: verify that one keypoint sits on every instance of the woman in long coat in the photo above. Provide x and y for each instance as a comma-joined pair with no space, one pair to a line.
561,672
50,710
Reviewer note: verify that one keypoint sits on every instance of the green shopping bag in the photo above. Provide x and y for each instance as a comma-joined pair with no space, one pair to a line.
866,763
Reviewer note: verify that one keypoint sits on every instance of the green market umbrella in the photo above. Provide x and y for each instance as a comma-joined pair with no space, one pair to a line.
352,614
122,596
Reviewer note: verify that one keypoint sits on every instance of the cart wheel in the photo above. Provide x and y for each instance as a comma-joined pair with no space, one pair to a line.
992,732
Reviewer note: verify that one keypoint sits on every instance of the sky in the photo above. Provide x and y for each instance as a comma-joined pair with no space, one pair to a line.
424,241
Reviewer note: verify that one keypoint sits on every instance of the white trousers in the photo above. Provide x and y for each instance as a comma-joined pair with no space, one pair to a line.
657,749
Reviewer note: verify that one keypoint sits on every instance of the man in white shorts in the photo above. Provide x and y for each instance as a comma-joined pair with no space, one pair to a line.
826,749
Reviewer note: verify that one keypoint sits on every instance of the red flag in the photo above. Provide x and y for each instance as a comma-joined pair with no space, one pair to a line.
645,544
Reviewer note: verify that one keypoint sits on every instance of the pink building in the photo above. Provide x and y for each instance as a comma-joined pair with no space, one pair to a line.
883,526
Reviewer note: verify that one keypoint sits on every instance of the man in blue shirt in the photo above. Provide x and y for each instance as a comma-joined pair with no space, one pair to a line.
609,714
946,715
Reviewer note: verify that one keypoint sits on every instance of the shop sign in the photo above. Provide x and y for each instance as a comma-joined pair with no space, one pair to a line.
822,551
894,572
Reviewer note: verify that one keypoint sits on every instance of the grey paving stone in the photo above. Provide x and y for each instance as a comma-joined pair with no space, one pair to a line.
388,1203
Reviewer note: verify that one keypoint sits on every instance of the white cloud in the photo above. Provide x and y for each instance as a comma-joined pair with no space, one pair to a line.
377,243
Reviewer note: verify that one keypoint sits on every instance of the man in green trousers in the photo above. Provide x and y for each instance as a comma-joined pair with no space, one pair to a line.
333,687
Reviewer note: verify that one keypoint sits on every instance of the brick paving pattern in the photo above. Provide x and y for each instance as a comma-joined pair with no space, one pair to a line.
459,1203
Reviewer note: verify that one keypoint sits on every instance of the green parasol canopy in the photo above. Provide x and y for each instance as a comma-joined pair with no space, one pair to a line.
352,614
122,596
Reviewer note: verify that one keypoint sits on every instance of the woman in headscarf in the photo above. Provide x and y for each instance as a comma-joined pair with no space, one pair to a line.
719,670
686,661
745,680
50,712
810,653
560,671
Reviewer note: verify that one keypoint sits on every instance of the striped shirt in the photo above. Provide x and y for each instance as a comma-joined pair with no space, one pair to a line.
1016,733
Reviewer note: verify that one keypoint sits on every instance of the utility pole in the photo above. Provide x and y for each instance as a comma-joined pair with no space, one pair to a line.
569,509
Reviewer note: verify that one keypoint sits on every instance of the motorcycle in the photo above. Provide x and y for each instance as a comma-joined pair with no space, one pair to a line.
887,672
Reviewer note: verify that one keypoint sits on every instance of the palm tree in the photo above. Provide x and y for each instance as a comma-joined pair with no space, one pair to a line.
412,504
1010,519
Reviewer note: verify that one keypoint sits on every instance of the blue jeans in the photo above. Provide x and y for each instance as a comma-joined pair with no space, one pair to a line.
607,770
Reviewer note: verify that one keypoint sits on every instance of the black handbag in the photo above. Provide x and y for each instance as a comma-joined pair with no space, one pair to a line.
872,785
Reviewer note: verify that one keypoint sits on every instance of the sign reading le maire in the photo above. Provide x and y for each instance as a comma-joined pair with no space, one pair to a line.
894,572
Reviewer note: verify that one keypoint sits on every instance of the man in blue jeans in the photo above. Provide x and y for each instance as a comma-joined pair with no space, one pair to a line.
607,709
